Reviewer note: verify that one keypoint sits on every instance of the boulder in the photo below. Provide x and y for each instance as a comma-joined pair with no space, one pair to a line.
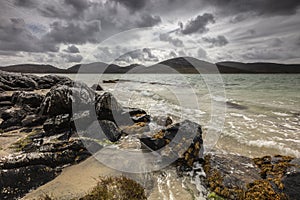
182,142
33,100
33,120
97,87
107,107
12,118
60,99
57,124
111,131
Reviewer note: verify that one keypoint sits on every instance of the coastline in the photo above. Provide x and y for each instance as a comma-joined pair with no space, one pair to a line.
50,143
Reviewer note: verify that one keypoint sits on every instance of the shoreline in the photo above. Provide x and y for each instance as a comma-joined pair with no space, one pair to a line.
50,154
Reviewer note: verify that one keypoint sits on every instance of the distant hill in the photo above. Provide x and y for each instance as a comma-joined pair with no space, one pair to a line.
258,67
175,65
100,67
33,68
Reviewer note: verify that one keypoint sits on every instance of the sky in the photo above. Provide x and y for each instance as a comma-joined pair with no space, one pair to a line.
67,32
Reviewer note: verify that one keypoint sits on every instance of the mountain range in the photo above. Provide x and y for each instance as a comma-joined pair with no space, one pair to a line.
175,65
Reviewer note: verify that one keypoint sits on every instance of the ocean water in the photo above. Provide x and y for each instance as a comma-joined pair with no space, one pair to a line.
248,114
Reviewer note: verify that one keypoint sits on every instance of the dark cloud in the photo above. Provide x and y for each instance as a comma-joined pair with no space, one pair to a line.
259,7
133,5
167,38
79,5
148,21
25,3
72,49
218,41
14,36
72,58
74,33
197,25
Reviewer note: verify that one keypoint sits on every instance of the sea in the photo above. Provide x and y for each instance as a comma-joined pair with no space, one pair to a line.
248,114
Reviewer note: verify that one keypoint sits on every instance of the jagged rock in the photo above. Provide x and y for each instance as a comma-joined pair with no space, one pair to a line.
5,97
109,128
107,107
182,141
61,98
237,177
5,103
15,183
47,82
12,118
291,180
33,120
58,124
97,87
33,100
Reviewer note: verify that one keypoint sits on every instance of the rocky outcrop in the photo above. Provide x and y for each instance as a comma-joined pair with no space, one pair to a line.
107,107
31,99
237,177
182,141
21,82
62,98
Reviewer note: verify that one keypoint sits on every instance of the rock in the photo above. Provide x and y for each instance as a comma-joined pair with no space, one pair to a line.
291,180
110,81
15,183
163,120
136,129
14,81
5,97
181,142
141,118
107,107
58,124
61,98
33,120
238,177
110,129
33,100
97,87
5,103
47,82
12,118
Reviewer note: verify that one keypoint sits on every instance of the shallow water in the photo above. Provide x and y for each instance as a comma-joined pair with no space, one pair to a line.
262,110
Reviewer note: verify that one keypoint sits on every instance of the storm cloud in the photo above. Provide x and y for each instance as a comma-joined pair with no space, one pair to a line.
198,24
218,41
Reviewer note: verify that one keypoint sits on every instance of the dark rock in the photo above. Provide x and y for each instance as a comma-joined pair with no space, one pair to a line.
110,129
15,183
110,81
141,118
33,100
47,82
5,97
61,99
181,142
12,118
107,107
58,124
33,120
5,103
97,87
